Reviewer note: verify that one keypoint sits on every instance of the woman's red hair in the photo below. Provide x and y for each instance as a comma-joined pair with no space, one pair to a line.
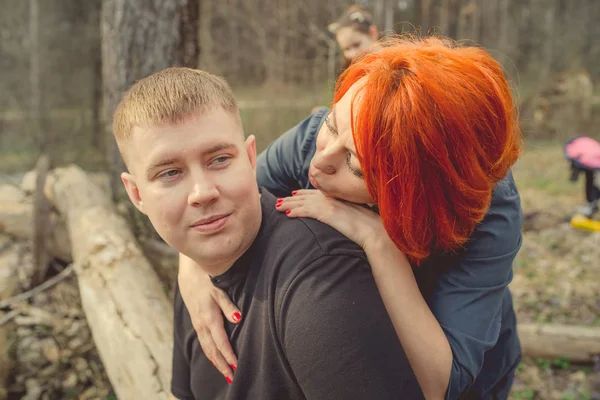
435,129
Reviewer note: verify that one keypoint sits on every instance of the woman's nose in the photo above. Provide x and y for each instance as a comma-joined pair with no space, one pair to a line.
324,162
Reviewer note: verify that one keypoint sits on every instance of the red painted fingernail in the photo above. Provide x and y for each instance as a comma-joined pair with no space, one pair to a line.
294,192
236,317
279,200
233,366
211,361
228,379
288,211
278,205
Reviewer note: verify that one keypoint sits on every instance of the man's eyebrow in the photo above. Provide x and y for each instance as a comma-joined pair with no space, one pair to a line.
219,147
161,163
168,161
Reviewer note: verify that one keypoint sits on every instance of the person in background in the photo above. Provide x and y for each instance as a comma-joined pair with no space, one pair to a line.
354,32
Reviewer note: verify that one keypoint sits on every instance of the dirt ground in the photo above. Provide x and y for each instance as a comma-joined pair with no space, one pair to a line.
557,273
557,279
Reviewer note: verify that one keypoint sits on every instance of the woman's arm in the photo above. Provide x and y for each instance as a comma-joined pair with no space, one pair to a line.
446,340
422,337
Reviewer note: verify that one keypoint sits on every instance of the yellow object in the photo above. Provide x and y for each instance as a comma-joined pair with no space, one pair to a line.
580,221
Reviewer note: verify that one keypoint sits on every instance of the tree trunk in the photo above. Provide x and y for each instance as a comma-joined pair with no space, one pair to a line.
41,223
548,48
503,22
205,38
444,17
475,21
389,16
189,33
34,75
125,305
460,20
139,37
425,10
234,37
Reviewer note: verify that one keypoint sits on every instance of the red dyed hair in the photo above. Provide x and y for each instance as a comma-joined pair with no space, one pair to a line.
435,129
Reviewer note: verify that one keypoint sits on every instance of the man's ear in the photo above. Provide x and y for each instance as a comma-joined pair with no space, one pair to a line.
251,150
132,191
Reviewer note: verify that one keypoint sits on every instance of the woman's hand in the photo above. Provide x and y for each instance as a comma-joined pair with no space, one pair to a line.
206,305
356,222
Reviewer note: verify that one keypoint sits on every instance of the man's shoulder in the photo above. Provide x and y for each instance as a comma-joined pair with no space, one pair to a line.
300,241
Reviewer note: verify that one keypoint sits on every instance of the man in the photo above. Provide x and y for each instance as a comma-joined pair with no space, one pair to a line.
314,325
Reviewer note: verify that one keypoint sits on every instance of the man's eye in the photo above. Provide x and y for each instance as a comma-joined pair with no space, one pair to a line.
220,160
171,173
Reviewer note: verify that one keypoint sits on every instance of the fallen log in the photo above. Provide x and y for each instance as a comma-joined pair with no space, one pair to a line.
575,343
17,221
127,310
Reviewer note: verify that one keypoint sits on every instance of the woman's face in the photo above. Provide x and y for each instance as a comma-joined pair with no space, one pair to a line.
335,169
353,42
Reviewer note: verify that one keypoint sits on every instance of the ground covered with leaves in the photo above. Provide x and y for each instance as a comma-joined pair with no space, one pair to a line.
557,273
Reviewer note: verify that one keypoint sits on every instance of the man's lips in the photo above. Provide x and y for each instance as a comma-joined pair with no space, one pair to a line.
211,224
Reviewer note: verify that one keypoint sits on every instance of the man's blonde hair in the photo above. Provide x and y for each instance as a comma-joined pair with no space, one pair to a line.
170,96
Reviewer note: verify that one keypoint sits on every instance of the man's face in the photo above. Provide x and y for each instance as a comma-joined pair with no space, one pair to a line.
196,182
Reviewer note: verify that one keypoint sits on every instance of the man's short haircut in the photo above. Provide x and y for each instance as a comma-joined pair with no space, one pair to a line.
170,96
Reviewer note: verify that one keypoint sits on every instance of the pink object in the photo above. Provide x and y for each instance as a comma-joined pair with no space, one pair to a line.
585,151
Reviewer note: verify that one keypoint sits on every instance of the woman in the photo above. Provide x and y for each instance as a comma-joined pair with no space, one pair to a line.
354,32
424,132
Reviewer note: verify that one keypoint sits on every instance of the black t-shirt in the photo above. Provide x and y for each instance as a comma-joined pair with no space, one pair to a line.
313,326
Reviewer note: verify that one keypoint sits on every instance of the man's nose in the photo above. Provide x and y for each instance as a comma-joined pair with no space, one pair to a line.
204,191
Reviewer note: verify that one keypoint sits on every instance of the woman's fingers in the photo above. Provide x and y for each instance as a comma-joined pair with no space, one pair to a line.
231,312
221,341
213,354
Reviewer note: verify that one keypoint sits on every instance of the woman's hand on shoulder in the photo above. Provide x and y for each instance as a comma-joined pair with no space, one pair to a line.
206,305
358,223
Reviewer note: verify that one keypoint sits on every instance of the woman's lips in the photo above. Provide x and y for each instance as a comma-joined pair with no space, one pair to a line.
313,181
211,225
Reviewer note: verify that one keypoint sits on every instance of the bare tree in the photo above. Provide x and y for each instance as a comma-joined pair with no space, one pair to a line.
549,22
139,37
444,17
34,74
425,16
205,34
189,33
503,22
475,20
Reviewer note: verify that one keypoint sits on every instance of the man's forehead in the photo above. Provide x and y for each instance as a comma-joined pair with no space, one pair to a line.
155,144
